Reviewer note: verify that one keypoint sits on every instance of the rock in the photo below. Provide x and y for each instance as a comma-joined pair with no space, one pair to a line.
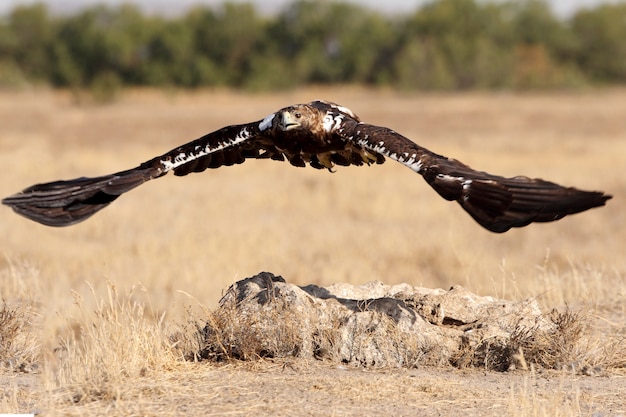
373,324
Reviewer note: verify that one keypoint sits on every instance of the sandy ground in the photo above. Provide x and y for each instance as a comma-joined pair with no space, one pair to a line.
176,244
300,388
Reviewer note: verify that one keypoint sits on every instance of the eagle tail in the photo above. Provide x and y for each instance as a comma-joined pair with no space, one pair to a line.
63,203
499,204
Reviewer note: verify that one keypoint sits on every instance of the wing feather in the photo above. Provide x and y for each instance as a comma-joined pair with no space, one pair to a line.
496,203
63,203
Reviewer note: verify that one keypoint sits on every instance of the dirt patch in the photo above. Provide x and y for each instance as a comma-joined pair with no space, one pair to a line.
20,392
314,388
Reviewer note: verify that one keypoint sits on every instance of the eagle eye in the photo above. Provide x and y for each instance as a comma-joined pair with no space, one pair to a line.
298,115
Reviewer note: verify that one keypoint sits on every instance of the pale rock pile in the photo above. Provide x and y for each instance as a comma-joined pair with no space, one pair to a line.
371,325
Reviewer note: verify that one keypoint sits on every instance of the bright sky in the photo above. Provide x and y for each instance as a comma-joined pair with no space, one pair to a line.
561,7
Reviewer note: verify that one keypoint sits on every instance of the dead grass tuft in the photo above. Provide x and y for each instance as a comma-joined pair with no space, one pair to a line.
490,353
104,347
20,338
19,343
275,332
558,340
554,347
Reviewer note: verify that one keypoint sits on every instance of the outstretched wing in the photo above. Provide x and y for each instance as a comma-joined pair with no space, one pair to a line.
496,203
62,203
336,137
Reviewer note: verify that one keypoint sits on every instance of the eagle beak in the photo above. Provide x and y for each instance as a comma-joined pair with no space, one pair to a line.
289,120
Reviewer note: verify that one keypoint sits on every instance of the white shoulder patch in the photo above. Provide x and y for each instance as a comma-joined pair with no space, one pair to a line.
345,110
340,108
332,121
267,122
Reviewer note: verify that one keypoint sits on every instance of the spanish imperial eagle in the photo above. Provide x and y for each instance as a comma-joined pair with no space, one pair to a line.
322,134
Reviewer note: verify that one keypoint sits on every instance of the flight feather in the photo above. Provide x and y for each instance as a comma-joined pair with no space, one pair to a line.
322,135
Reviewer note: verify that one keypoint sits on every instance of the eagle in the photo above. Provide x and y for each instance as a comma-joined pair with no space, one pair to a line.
323,135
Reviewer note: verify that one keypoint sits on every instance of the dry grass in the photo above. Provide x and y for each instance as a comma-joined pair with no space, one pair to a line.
562,401
16,350
20,339
114,347
556,348
102,348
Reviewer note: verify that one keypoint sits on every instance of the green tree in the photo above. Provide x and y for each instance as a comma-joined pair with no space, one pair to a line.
420,65
31,34
103,40
169,55
466,41
544,47
331,42
228,39
601,35
446,44
534,23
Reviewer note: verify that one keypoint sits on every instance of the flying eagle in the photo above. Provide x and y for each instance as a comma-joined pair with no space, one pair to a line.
321,134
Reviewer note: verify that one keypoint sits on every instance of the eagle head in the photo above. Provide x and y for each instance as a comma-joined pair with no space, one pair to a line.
299,117
317,117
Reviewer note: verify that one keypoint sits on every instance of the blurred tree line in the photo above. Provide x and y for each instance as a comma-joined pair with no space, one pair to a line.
444,45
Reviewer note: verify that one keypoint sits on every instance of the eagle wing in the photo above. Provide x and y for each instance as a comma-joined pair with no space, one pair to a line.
63,203
496,203
337,137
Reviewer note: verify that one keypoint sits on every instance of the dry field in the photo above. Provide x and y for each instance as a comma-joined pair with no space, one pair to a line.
95,316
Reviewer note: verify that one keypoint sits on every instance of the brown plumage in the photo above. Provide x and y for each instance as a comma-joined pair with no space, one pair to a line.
322,135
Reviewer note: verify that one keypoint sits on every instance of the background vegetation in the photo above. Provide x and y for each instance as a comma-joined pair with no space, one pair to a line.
444,45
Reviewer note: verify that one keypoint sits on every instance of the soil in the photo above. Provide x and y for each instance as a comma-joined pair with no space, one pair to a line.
298,387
